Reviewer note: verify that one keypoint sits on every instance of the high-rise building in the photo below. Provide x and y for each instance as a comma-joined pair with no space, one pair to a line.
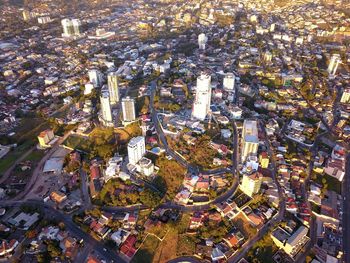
113,87
44,19
202,41
250,140
251,183
136,149
71,27
333,64
95,77
128,107
201,104
345,98
229,81
267,56
76,26
26,15
106,112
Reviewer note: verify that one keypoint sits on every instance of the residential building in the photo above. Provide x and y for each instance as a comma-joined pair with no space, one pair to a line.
333,64
136,149
106,112
128,107
45,137
201,104
95,77
229,81
264,160
202,41
345,98
145,166
71,27
113,87
251,183
250,140
291,244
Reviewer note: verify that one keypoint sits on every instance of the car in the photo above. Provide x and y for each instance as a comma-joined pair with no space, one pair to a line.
104,249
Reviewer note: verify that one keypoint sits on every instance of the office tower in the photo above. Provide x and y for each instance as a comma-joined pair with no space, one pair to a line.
113,87
71,27
106,112
128,107
202,41
250,140
95,77
333,64
251,183
229,81
136,149
345,98
201,104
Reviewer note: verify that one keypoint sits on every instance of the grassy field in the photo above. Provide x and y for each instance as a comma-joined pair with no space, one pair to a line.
26,137
78,142
333,183
263,250
165,250
146,252
242,223
13,155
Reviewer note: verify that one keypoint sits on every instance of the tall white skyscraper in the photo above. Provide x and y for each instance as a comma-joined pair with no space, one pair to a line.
229,81
95,77
202,41
113,87
71,27
201,104
76,26
106,112
128,107
333,64
136,149
250,139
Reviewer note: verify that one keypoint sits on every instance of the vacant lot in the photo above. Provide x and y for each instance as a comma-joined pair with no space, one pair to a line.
146,252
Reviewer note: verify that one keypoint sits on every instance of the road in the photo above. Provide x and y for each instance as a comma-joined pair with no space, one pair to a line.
49,211
220,199
277,218
346,211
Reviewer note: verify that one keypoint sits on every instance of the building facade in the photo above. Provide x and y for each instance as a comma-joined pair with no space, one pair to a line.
128,108
106,112
136,149
201,104
250,140
113,87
